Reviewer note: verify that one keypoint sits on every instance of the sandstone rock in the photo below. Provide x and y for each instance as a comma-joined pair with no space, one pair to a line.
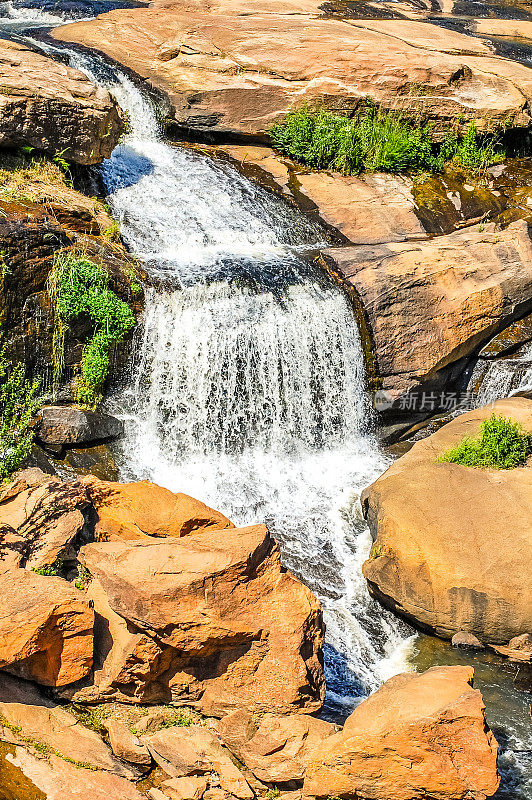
518,649
142,509
59,780
189,788
45,513
194,750
235,68
275,749
64,425
49,725
418,736
510,339
49,106
466,641
430,304
209,619
442,555
46,629
127,746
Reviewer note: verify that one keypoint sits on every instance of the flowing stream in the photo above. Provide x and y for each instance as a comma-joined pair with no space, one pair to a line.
247,384
246,388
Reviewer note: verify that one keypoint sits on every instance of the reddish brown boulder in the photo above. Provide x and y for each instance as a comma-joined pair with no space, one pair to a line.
142,509
49,106
46,629
429,304
418,736
443,556
210,619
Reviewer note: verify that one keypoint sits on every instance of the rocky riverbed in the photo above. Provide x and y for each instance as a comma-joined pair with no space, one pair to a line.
285,320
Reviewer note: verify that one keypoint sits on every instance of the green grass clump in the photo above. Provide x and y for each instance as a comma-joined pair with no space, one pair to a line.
19,402
502,444
78,286
377,141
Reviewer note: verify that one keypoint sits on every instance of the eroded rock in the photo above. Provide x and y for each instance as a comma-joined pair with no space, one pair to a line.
132,511
275,749
417,736
66,425
235,68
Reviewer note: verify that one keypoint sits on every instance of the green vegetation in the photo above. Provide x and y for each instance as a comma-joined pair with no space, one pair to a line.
273,793
378,141
19,402
502,444
180,717
78,286
50,569
83,579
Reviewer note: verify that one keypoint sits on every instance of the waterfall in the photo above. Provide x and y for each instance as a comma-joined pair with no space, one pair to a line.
247,385
505,377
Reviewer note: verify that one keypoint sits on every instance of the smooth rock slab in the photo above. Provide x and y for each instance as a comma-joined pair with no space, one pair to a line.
417,736
49,106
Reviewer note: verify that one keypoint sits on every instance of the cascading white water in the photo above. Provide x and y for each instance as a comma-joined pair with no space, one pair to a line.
506,377
247,386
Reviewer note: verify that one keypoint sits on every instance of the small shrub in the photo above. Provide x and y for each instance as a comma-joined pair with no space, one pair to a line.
502,444
83,579
19,402
78,286
50,569
377,141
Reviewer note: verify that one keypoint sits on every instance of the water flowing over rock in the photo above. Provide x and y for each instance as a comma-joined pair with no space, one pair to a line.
418,736
46,629
430,304
234,69
209,619
51,107
443,555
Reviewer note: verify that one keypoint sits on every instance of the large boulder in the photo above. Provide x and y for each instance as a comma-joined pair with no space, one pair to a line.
66,425
429,305
453,550
138,510
235,68
46,629
49,106
210,619
418,736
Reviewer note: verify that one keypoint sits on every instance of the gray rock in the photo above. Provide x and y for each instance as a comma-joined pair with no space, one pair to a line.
64,425
466,640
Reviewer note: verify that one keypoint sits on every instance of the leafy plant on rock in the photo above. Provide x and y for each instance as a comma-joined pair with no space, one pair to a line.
77,286
19,402
502,444
378,140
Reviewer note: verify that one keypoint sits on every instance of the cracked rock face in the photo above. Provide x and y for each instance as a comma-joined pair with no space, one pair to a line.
236,68
49,106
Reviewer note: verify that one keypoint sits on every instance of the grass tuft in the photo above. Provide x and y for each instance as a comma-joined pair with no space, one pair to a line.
378,141
502,444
